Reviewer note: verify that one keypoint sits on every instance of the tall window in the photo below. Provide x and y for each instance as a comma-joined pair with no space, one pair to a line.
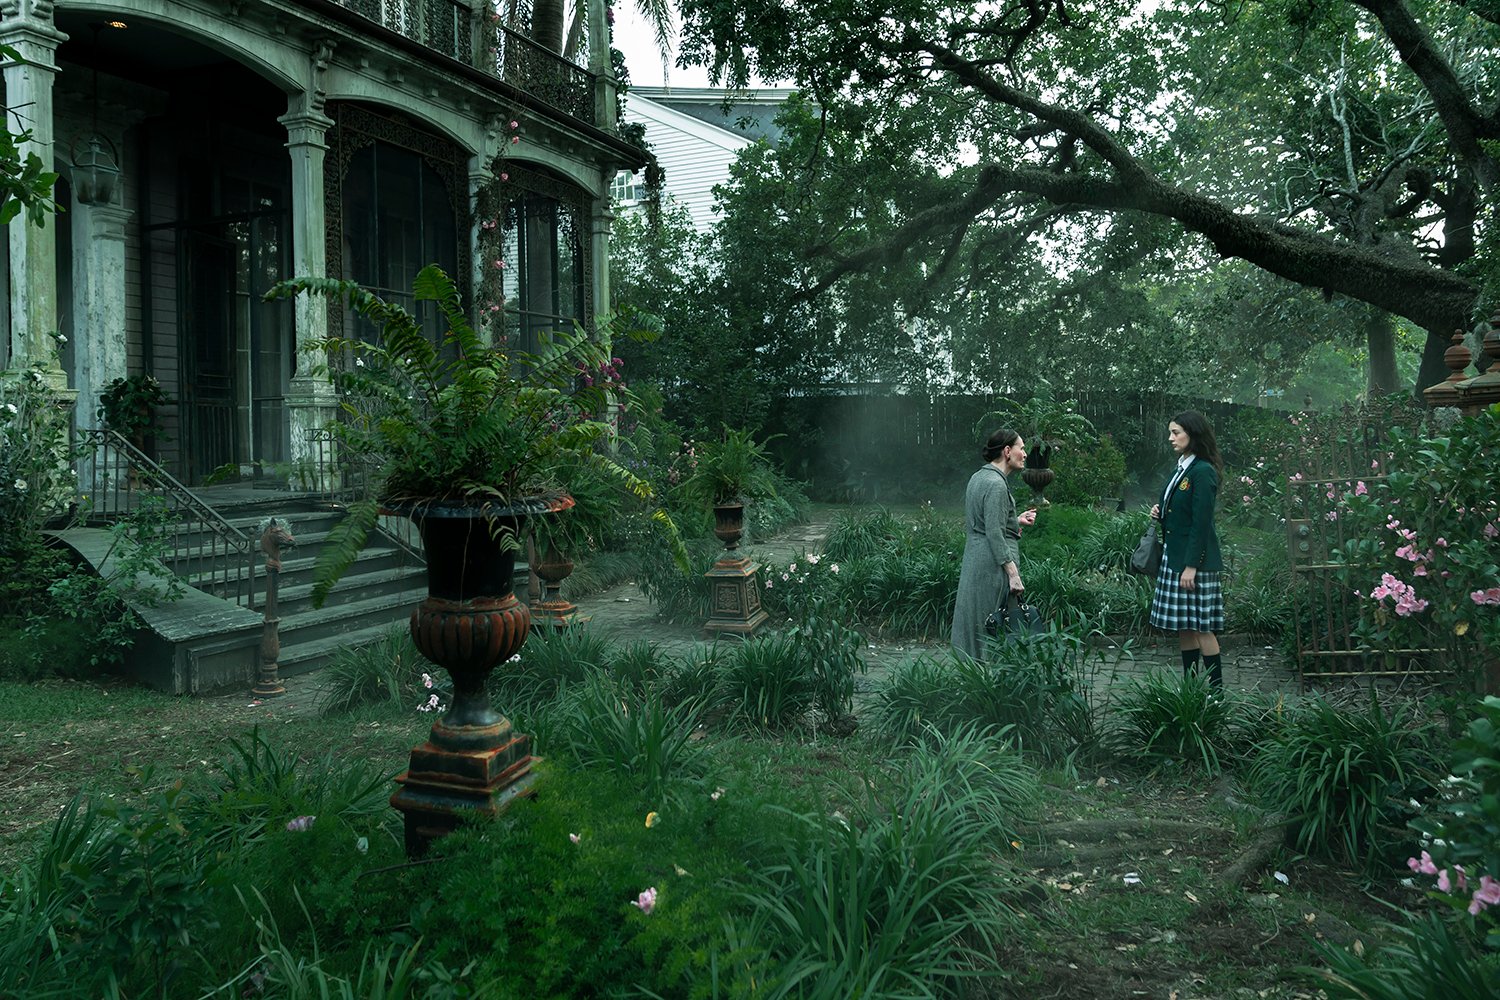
547,281
397,197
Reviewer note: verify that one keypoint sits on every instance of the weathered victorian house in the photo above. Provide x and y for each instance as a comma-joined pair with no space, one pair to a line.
211,147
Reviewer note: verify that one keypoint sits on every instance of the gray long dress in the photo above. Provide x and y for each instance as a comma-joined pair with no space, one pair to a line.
992,533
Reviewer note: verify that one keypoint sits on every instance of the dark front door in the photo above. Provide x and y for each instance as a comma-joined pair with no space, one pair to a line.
210,342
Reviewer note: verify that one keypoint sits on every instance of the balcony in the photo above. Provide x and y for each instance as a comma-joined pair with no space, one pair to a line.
454,29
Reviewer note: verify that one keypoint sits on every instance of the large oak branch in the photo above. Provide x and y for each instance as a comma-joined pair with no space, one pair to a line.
1428,296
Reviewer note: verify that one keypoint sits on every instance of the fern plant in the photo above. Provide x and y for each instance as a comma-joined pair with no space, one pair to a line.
455,420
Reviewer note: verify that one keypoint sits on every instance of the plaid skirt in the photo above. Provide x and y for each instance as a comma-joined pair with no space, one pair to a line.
1175,610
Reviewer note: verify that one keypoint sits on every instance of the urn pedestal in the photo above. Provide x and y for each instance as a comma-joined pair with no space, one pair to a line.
553,610
473,763
734,581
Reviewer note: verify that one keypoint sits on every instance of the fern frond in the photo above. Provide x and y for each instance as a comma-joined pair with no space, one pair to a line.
344,544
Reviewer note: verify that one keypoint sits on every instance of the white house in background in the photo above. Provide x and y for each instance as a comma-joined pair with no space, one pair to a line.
695,139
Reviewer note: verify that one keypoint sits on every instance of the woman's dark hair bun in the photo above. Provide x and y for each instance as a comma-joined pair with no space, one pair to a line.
998,442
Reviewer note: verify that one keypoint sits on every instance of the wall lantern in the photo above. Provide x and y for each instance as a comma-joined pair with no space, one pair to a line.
96,163
96,169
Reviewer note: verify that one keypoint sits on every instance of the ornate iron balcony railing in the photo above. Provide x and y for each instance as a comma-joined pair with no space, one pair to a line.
455,29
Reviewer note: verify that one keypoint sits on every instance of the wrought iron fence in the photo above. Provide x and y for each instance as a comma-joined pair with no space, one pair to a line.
1331,616
202,547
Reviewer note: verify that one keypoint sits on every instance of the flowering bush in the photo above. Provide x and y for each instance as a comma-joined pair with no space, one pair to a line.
1462,839
1423,546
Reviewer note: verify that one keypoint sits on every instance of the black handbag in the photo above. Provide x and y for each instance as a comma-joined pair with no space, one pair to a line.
1146,559
1014,617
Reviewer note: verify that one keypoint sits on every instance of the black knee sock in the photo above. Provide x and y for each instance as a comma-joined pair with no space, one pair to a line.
1189,660
1215,673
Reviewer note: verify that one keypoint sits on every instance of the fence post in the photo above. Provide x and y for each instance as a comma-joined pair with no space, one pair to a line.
274,533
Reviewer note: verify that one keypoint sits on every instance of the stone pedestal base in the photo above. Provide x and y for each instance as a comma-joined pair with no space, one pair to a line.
558,614
442,788
734,602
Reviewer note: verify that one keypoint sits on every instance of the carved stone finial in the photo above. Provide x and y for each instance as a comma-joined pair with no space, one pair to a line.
1456,357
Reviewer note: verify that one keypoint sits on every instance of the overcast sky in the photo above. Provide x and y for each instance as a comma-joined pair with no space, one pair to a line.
635,37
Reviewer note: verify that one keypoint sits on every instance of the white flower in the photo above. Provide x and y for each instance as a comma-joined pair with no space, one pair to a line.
11,407
61,339
359,362
21,485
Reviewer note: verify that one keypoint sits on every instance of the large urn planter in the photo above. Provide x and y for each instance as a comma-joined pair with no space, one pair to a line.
1038,473
553,610
473,763
734,581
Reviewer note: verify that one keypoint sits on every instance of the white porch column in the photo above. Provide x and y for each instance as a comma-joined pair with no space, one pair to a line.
27,27
311,401
98,303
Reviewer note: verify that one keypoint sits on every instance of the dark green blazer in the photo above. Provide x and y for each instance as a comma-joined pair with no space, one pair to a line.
1187,520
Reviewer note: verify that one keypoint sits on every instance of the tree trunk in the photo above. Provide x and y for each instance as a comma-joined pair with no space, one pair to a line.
1380,342
547,24
1432,370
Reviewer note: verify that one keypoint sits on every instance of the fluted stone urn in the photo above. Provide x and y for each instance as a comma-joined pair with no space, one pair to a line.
473,762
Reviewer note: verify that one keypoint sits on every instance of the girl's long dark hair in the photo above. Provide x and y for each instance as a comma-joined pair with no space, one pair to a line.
1200,438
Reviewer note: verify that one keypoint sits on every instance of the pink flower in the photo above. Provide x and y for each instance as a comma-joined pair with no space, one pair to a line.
1488,894
1360,489
1441,543
514,139
514,123
1487,597
301,824
504,176
1331,494
1422,866
1490,530
574,838
646,901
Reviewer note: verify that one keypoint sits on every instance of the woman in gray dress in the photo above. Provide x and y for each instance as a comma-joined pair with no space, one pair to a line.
992,552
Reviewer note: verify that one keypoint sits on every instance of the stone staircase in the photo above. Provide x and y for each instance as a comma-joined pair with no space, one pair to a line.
376,594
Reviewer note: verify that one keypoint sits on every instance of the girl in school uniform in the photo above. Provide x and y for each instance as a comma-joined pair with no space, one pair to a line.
1188,599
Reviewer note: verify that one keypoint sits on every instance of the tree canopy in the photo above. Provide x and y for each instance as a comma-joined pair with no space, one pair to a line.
1349,146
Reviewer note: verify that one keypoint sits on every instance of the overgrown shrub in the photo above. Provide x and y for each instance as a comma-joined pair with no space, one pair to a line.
1343,778
1085,474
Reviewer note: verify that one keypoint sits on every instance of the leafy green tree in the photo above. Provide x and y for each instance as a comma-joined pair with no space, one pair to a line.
25,182
1338,144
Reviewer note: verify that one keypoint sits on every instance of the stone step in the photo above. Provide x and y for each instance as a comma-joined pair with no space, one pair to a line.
315,644
351,587
381,611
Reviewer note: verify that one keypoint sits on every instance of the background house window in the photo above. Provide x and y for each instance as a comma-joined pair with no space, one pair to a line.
625,188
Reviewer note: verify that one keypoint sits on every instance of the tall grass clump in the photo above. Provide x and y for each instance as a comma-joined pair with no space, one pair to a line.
1176,718
609,725
767,682
551,660
1342,778
384,672
1425,958
904,899
1037,689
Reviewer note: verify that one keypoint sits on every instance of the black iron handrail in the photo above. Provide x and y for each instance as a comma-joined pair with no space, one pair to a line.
203,548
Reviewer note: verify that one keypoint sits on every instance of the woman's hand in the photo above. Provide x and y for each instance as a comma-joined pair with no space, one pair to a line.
1156,512
1190,578
1016,586
1028,518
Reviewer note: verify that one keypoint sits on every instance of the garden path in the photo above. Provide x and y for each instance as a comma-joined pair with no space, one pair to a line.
625,615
